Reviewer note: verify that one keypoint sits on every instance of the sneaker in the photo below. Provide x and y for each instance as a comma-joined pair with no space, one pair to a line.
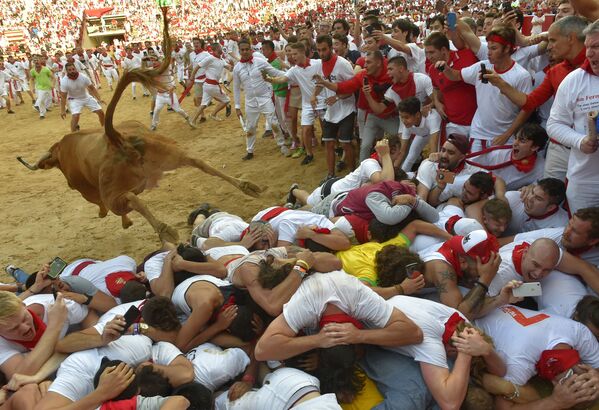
228,111
10,112
340,165
308,159
10,269
290,197
299,152
285,151
203,209
42,117
329,176
267,134
170,109
153,127
215,118
248,156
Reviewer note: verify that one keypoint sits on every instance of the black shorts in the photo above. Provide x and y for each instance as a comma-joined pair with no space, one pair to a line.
342,131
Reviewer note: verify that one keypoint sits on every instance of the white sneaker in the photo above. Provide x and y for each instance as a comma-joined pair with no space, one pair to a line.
153,127
285,151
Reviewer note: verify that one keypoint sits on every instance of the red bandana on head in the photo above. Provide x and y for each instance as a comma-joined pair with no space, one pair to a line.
517,255
40,328
328,66
339,318
554,362
450,326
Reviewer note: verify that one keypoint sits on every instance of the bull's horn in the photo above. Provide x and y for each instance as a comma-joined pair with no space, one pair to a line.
36,166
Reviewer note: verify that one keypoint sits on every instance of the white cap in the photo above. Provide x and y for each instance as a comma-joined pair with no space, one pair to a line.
466,225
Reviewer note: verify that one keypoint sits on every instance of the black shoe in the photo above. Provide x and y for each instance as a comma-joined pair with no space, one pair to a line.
228,111
267,134
329,176
78,128
339,152
248,156
170,109
290,197
340,165
308,159
10,112
203,209
151,113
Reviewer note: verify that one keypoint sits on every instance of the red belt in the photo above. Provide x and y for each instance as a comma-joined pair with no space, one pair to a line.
231,260
557,142
210,81
81,266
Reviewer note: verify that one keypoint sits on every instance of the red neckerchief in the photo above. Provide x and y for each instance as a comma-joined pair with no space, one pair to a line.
406,89
578,60
517,255
198,50
127,404
273,213
249,60
507,69
328,66
546,215
586,66
449,225
458,169
272,57
306,64
450,256
450,326
302,242
522,165
40,328
339,318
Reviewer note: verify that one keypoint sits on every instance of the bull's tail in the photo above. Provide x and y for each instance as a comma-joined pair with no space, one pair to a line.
150,78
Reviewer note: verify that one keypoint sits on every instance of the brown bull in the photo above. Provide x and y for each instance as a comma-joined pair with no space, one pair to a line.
110,168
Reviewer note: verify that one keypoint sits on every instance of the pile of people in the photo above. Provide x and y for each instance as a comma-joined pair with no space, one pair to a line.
455,265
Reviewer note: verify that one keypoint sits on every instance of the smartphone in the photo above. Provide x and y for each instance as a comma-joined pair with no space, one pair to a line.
131,316
597,125
56,267
54,292
452,20
365,81
441,68
446,176
528,289
412,270
483,70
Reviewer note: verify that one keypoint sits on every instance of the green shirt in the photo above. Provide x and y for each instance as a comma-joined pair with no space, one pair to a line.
280,90
43,79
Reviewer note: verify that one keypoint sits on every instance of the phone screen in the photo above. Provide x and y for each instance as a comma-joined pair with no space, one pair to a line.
131,316
56,267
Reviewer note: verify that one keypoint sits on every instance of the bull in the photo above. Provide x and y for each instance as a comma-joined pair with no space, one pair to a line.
110,167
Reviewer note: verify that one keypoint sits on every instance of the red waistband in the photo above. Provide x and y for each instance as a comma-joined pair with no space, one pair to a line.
211,81
81,266
231,260
557,142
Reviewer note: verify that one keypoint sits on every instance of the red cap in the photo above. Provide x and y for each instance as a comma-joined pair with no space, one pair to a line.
554,362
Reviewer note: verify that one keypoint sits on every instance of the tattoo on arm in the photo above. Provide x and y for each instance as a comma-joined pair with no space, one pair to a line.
474,300
443,278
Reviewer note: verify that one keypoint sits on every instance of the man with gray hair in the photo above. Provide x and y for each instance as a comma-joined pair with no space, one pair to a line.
573,122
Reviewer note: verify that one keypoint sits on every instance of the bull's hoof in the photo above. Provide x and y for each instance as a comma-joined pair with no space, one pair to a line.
249,188
126,222
102,213
167,233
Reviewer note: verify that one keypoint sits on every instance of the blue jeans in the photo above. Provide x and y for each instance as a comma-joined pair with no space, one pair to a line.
20,275
399,380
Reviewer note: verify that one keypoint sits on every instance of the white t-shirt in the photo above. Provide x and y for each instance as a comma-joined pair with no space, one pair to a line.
342,108
303,77
537,25
131,63
522,222
521,335
75,314
416,61
288,222
431,318
424,89
495,112
196,59
305,308
427,175
153,266
213,366
429,125
357,177
75,89
513,178
106,61
213,66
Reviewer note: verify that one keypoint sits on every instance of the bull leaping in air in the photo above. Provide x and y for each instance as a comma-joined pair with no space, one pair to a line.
110,167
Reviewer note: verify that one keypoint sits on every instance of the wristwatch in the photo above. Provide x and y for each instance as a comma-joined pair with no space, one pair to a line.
143,328
88,300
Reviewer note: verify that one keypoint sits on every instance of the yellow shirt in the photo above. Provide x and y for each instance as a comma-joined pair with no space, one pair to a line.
367,398
359,259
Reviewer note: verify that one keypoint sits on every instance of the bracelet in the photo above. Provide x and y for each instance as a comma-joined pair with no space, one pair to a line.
399,289
249,379
485,287
135,329
88,301
301,270
303,264
514,395
30,291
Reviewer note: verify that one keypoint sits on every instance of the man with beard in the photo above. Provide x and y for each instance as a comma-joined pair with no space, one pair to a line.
76,87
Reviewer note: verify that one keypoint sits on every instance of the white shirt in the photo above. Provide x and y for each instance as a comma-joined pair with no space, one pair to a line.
431,318
75,314
106,61
357,177
495,112
343,107
75,89
424,89
249,76
196,59
537,25
513,178
416,61
305,308
213,366
303,77
576,96
213,66
288,222
117,310
429,125
524,56
179,56
522,222
153,266
427,175
521,335
131,63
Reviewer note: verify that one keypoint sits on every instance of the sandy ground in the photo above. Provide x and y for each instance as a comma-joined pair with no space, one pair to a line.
41,217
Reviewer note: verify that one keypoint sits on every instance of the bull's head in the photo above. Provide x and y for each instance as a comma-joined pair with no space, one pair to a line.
45,162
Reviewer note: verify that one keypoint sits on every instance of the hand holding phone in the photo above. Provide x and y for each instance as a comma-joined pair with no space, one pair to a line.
446,176
131,316
56,267
452,20
528,289
483,71
412,270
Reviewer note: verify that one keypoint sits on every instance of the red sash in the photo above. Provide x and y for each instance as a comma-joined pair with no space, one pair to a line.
40,328
127,404
523,165
80,267
517,255
273,213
